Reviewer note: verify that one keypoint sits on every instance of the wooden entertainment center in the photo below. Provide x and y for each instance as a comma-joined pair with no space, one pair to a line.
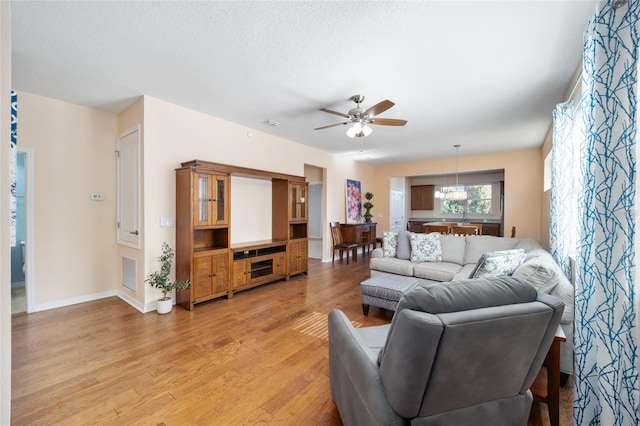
204,253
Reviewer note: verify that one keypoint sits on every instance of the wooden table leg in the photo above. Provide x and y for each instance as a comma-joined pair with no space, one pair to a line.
546,387
553,382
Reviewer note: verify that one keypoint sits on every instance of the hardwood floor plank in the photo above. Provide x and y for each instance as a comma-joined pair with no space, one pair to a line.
258,358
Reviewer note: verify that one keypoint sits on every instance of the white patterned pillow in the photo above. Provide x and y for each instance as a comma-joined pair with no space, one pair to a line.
498,263
404,245
425,247
389,243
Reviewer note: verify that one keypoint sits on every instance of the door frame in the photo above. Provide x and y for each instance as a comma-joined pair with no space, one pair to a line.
29,225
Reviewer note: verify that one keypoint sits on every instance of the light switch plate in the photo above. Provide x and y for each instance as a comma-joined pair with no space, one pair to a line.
97,197
167,222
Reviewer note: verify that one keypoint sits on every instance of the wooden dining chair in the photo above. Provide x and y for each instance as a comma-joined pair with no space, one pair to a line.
443,229
339,244
464,230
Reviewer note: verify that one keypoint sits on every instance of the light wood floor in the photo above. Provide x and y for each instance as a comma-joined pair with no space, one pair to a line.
258,358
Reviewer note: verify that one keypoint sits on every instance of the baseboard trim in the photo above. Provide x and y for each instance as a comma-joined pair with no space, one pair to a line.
144,308
74,301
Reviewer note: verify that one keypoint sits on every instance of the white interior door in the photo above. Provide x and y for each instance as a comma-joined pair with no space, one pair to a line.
396,215
129,188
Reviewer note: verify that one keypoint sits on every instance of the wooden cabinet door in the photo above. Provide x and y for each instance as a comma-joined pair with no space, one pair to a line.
220,279
298,256
240,273
202,271
298,202
422,197
280,264
210,275
211,203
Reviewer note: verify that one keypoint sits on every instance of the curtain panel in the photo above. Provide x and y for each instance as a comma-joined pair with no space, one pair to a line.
565,184
13,168
606,332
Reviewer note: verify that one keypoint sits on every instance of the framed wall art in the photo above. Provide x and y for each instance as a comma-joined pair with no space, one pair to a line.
354,201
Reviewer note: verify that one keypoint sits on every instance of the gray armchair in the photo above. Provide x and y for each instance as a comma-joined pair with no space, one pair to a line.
462,353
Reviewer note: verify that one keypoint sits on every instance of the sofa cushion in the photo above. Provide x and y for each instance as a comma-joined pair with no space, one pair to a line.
439,298
436,271
389,243
528,244
538,269
404,245
476,246
453,249
392,265
498,263
463,273
425,247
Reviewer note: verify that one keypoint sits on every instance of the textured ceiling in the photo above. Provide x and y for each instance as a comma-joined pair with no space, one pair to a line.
482,74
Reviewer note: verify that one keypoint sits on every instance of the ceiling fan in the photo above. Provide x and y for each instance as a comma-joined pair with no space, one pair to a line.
360,118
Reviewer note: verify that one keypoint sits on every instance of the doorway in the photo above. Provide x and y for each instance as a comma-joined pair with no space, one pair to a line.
18,294
315,220
316,177
21,267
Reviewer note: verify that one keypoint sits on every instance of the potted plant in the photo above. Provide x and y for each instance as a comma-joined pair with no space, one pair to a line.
162,280
368,205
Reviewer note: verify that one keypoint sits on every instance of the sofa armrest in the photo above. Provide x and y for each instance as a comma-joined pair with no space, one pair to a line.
378,252
355,383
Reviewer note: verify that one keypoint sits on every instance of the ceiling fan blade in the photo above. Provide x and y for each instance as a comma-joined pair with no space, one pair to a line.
334,112
388,122
331,125
378,108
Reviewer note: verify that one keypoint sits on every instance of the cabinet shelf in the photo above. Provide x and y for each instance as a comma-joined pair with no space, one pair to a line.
209,249
258,263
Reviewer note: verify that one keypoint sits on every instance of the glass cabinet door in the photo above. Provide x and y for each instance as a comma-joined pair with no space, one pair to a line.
303,202
210,199
220,201
294,202
298,201
203,199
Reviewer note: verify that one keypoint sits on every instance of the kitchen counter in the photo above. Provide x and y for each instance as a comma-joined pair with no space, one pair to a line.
487,226
452,220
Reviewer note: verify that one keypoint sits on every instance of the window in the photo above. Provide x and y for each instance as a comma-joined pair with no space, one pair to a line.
478,200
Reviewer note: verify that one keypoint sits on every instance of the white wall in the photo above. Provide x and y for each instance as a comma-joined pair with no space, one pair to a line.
250,209
74,151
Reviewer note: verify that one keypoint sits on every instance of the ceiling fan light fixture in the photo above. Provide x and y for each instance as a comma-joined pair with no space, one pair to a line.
359,130
359,118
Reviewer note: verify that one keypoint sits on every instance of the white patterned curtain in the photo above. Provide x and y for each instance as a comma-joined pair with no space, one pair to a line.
565,183
13,167
606,332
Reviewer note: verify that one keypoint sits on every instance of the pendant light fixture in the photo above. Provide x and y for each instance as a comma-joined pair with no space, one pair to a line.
459,193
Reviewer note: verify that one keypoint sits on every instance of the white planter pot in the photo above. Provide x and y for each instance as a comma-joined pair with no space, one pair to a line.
164,306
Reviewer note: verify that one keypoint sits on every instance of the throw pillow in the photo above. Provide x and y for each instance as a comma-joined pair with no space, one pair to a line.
425,247
498,263
404,245
389,243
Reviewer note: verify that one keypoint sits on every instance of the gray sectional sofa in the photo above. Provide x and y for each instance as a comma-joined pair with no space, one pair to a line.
459,258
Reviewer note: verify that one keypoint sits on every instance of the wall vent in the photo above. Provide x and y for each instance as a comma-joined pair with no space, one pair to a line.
129,274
